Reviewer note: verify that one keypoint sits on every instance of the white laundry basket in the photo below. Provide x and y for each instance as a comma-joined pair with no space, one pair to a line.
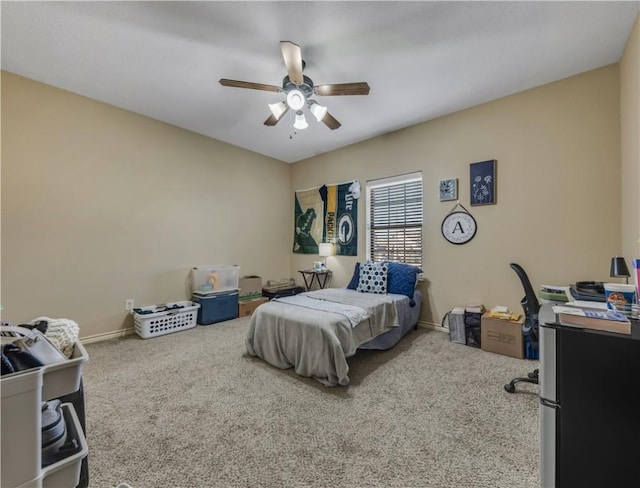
165,318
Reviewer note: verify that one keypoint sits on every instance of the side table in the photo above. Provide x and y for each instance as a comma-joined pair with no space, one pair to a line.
319,276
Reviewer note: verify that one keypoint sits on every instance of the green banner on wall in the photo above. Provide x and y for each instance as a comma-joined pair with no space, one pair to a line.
340,218
308,222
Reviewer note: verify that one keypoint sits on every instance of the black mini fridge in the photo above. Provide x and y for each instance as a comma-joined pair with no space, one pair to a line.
589,407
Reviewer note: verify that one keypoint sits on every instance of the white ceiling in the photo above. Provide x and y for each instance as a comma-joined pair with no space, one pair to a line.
421,59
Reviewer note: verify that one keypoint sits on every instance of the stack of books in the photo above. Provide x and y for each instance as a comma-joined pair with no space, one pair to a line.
606,320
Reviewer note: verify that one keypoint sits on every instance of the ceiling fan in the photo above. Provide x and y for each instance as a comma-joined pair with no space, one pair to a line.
298,90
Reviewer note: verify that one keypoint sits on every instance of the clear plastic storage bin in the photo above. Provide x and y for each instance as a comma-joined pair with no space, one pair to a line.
21,399
206,280
20,457
63,378
66,472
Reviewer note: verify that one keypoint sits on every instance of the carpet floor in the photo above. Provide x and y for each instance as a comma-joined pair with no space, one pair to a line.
193,409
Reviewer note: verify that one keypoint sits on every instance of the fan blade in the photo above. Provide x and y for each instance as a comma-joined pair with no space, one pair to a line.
271,121
331,122
292,55
359,88
248,84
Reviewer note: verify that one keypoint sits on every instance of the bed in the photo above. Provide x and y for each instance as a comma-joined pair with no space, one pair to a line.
315,332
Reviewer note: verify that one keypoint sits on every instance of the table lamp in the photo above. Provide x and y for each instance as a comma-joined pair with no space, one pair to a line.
619,268
325,249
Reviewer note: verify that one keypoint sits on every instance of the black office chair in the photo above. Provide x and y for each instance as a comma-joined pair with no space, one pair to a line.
531,308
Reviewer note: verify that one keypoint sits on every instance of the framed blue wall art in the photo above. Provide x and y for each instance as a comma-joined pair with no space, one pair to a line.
448,189
483,182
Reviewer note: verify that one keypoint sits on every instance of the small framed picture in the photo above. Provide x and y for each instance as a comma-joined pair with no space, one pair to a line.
483,182
448,189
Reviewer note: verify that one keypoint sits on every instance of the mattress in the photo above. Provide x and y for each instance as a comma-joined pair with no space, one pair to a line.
315,332
408,316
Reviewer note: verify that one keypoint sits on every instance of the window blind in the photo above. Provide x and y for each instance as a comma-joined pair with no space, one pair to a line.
395,222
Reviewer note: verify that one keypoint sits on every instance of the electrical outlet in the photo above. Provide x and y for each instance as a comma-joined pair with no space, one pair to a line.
128,304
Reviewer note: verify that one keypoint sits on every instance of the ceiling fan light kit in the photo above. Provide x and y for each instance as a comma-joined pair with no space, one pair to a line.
301,122
295,99
298,90
278,109
318,111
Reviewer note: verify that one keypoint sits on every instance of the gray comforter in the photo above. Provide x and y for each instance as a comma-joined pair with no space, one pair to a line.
315,332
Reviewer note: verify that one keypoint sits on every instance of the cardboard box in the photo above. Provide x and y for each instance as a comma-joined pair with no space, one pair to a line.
502,336
250,288
247,307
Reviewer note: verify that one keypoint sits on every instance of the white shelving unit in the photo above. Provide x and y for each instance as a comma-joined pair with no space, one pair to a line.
21,431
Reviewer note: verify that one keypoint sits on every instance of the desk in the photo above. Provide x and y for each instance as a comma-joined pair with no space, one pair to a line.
589,406
319,276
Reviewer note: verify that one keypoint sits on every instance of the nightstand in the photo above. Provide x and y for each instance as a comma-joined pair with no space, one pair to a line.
319,276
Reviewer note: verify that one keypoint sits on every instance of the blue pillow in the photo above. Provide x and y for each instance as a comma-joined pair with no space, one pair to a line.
355,279
402,278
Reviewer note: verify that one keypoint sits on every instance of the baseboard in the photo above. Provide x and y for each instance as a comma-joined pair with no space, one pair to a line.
108,335
126,332
432,326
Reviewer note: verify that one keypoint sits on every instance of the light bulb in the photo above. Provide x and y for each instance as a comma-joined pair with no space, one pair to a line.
301,122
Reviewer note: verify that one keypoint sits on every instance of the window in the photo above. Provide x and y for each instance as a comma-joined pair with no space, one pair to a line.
394,219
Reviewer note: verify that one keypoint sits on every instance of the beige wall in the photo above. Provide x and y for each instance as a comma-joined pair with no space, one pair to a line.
630,144
558,205
100,205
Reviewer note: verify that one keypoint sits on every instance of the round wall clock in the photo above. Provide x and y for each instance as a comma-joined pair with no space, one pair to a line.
459,227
